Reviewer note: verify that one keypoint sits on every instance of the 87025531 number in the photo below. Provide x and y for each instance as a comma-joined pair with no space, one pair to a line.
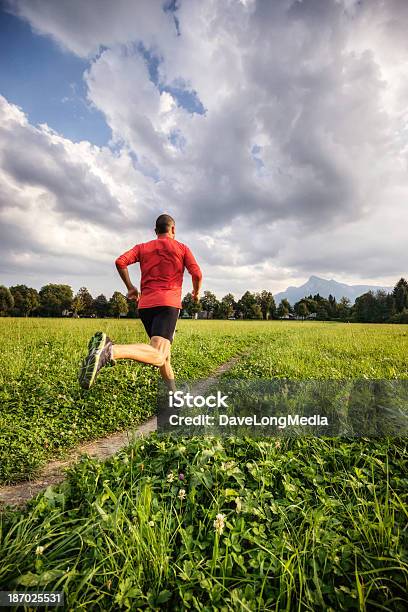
31,598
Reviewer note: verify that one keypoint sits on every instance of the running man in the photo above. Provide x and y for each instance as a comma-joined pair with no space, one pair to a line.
162,263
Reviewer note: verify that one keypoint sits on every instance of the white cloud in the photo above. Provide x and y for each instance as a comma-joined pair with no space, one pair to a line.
73,204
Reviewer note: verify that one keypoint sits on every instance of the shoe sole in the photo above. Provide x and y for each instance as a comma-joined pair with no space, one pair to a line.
89,368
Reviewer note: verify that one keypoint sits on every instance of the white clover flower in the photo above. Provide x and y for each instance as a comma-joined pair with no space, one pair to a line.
182,494
238,504
39,550
219,523
170,477
142,447
151,523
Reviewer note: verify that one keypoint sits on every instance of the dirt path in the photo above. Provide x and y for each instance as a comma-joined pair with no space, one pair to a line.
54,472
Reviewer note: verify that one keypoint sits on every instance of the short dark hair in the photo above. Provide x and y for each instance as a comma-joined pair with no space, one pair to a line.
164,223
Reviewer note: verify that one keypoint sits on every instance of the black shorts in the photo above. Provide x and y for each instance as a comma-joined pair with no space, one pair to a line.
160,321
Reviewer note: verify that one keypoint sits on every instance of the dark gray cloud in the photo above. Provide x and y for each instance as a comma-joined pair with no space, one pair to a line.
315,103
31,158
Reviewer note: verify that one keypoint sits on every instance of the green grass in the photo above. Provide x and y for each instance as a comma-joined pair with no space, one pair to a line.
44,412
327,350
310,524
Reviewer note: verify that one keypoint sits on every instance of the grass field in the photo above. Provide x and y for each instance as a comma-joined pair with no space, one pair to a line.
306,524
44,412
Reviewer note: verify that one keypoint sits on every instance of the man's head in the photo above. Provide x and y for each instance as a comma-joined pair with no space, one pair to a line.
165,225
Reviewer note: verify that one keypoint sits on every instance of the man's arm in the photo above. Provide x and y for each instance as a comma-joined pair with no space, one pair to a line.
197,282
196,274
122,262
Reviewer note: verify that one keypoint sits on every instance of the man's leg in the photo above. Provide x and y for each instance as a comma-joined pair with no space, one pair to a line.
167,374
154,353
102,352
158,324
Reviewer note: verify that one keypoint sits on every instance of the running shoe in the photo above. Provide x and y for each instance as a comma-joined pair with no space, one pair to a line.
99,355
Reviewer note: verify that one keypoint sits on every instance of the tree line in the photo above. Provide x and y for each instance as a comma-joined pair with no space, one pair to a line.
55,300
370,307
378,307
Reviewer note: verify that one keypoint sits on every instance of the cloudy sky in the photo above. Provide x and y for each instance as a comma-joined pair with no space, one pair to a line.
275,132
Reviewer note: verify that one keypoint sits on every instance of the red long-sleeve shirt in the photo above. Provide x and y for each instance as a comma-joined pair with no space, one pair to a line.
162,263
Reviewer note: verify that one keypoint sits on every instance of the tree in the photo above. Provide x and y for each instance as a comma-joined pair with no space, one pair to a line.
390,306
256,312
286,304
266,301
322,313
400,294
283,310
83,302
6,301
26,300
332,310
319,305
209,302
101,306
118,304
382,307
400,317
311,304
54,299
364,308
343,308
226,307
302,310
190,306
301,307
245,303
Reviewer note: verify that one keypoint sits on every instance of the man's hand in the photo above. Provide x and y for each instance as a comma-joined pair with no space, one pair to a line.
133,295
195,295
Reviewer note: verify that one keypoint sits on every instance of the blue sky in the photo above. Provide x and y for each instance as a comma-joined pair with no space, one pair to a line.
274,132
184,96
47,82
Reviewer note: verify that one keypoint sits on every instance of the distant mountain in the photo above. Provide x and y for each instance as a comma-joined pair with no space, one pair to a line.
325,287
